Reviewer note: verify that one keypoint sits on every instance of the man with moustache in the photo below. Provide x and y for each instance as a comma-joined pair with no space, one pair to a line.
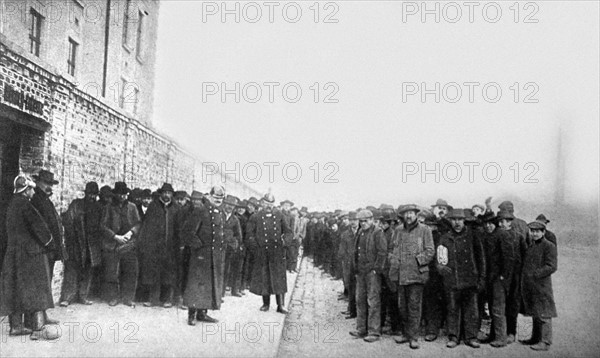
83,244
266,229
158,246
119,228
409,270
232,232
145,201
369,260
461,262
203,233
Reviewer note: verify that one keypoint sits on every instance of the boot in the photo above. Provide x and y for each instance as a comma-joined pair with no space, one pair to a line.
202,316
266,303
16,325
191,317
42,330
280,302
169,301
154,299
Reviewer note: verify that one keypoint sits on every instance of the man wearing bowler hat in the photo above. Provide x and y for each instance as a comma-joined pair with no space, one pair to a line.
158,247
549,235
266,230
83,244
41,201
119,228
409,269
461,262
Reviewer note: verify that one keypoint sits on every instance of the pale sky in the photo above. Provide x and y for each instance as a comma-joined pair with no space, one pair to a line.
373,136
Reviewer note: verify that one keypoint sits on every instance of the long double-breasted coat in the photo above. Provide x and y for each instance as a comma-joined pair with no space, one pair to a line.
540,262
203,233
158,245
25,279
265,230
82,232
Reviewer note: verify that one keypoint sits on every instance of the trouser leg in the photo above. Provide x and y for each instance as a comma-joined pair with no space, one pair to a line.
70,282
513,302
130,268
433,292
352,294
414,297
545,329
361,303
498,310
85,282
266,300
470,313
453,312
373,281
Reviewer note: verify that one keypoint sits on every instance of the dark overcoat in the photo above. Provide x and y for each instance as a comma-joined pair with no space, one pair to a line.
203,233
499,254
265,230
462,253
82,232
41,201
157,244
25,278
540,262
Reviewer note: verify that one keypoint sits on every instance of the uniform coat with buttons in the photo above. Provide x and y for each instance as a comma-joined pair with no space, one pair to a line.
203,233
25,279
265,230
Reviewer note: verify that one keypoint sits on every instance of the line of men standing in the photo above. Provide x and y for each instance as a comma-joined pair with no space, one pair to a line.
442,265
161,248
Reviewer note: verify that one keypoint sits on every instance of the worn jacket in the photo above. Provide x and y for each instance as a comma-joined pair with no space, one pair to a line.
118,219
370,251
232,231
412,251
461,260
540,262
82,232
499,254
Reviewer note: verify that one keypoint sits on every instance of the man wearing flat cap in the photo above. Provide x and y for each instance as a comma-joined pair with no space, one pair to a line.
266,230
83,244
203,233
461,262
539,264
41,201
158,246
409,269
549,235
119,228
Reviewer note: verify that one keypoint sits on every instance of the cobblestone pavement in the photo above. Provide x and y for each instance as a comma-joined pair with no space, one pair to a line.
315,326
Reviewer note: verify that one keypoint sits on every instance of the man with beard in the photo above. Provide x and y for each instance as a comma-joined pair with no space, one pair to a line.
499,258
461,263
145,200
83,244
159,247
347,249
25,279
232,232
513,300
369,260
119,227
203,233
539,264
409,270
266,230
41,201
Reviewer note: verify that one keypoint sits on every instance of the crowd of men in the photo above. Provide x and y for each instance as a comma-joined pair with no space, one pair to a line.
161,248
404,269
439,269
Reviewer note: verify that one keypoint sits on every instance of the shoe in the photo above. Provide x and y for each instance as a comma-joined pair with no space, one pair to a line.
345,312
452,343
191,321
113,302
147,304
130,304
167,305
430,337
20,331
510,339
236,294
281,309
498,344
371,338
357,334
183,307
414,344
473,343
352,316
264,308
86,302
64,303
401,339
48,333
207,318
529,342
541,346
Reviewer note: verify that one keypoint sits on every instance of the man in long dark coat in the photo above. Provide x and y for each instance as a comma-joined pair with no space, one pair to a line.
203,233
232,231
539,263
265,232
83,244
25,279
158,247
291,249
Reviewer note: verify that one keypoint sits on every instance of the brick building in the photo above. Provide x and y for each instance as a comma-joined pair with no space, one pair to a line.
76,96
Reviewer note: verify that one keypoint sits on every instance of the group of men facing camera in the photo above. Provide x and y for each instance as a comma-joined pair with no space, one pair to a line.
162,248
440,266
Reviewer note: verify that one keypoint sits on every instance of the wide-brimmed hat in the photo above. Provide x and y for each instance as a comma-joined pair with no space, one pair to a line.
231,200
503,214
21,183
506,206
45,176
542,218
537,225
106,191
456,214
92,188
409,207
181,194
254,202
146,193
196,195
489,216
343,213
442,202
166,187
120,188
286,202
377,214
389,214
